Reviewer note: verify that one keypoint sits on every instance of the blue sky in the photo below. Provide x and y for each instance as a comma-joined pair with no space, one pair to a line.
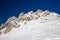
10,8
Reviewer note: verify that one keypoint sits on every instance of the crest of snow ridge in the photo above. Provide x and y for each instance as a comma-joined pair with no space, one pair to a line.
14,22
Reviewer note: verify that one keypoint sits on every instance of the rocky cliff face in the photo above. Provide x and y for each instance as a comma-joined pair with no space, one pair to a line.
39,25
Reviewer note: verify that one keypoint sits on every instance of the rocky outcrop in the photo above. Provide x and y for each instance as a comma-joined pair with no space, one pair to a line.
46,13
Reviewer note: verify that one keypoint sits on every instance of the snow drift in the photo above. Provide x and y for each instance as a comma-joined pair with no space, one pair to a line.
39,25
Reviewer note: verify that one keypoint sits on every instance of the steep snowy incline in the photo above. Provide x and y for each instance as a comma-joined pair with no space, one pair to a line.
40,28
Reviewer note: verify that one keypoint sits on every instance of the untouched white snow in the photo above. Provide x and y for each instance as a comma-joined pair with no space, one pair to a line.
40,29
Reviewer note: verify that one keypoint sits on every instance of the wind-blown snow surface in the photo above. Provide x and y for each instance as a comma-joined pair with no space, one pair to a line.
44,28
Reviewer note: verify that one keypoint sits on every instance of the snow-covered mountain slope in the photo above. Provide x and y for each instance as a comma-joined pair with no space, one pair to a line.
39,25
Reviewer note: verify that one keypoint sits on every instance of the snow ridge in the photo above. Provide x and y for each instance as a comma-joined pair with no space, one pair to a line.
15,22
46,19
